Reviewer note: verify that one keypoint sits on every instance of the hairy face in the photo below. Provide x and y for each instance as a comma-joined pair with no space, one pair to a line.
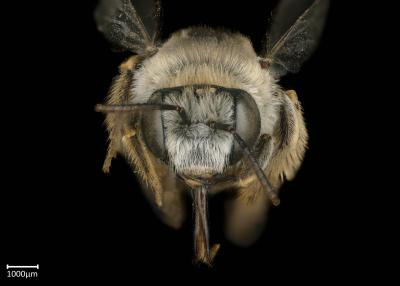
196,149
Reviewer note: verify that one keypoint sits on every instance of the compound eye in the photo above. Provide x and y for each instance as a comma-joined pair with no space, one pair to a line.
152,128
248,123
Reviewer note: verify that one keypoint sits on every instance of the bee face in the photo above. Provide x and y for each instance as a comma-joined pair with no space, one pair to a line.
195,148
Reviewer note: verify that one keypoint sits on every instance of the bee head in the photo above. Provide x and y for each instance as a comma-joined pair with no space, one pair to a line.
200,143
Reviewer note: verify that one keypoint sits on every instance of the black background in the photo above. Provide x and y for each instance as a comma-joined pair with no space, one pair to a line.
62,212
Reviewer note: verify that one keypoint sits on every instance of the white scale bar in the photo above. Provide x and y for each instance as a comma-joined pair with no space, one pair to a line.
23,266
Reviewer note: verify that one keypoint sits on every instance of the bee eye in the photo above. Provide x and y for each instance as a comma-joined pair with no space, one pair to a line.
152,128
248,123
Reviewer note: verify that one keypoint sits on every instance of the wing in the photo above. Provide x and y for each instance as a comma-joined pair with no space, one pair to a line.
127,26
246,214
294,34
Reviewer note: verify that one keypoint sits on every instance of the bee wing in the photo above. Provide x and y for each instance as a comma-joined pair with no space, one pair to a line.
294,34
128,26
246,214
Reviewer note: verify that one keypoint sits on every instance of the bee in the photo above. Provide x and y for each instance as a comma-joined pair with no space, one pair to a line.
202,113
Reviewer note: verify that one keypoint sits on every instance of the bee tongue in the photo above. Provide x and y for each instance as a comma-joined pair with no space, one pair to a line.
203,253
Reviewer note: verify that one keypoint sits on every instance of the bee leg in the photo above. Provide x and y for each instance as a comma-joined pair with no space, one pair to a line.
291,138
131,142
159,184
245,214
293,97
111,154
118,94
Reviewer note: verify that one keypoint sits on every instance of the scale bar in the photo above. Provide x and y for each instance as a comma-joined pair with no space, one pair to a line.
23,266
